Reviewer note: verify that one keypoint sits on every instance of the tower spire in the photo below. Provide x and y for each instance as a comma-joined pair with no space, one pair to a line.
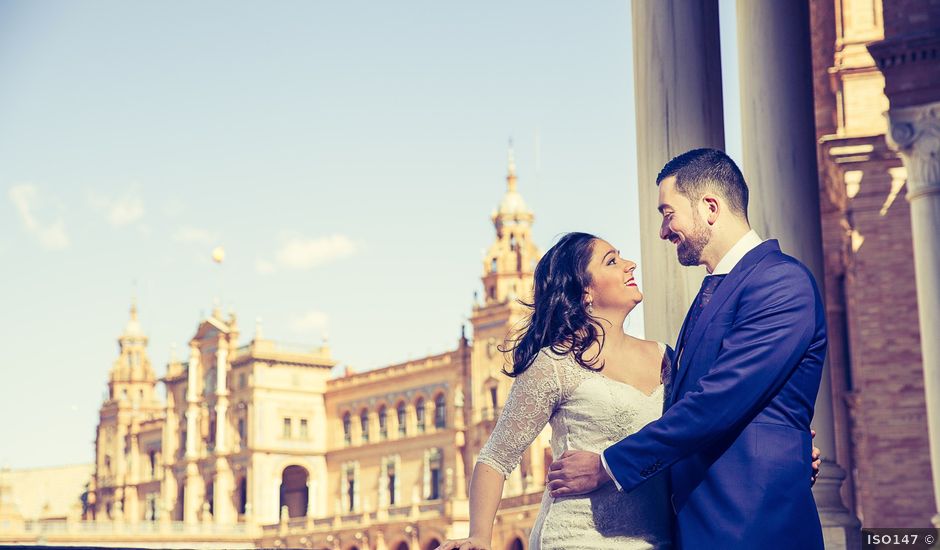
508,265
132,329
511,176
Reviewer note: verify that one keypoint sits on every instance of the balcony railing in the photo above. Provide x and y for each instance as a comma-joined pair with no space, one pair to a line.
62,527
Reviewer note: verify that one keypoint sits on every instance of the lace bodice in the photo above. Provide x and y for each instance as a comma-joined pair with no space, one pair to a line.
587,410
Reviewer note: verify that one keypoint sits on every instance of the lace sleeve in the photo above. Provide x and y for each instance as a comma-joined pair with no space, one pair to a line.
534,395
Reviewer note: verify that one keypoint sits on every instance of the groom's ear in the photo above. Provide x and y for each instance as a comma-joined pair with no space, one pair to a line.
712,208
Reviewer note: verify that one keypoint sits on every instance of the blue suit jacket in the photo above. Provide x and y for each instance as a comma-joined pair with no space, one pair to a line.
735,436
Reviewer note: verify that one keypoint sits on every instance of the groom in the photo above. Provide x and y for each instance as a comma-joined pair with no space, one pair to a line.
735,437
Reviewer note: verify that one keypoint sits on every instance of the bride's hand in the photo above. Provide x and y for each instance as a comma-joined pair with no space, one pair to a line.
817,462
465,544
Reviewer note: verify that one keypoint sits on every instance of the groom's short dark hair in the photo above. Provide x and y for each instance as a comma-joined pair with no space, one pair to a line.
701,170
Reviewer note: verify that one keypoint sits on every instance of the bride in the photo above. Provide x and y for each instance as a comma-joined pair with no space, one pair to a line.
576,370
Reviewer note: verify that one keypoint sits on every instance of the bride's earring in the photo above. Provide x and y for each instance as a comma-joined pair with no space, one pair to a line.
590,308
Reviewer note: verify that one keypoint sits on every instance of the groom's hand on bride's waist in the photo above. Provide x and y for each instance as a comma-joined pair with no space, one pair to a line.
576,473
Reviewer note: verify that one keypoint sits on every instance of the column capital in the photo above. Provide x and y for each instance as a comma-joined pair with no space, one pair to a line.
914,132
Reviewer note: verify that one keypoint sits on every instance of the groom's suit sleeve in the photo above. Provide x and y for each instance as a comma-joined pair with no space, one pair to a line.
772,329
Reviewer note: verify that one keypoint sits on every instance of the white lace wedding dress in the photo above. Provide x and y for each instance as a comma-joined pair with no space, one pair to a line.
587,412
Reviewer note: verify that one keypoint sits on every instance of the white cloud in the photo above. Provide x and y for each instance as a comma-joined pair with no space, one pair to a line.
25,197
195,235
264,267
119,211
310,323
300,253
54,236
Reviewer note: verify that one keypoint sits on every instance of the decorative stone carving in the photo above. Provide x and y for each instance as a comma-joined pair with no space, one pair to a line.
915,134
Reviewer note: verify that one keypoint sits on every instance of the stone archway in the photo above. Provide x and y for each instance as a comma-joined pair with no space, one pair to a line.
294,491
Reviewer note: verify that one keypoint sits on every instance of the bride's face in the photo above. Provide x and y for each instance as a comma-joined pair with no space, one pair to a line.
613,287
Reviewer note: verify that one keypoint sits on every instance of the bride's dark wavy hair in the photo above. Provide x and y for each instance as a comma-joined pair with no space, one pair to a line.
559,317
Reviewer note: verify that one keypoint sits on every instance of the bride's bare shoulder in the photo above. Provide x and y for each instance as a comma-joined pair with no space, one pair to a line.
649,348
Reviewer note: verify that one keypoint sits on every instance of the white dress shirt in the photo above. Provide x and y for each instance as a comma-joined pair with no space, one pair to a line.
745,244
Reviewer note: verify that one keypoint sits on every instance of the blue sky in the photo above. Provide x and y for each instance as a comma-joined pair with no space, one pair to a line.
347,156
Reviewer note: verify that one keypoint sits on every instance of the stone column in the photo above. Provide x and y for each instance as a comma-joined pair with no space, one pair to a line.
779,138
168,493
224,511
192,481
221,392
192,491
915,134
312,491
131,504
678,108
192,405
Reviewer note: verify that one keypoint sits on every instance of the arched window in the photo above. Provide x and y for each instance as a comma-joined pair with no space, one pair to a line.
210,497
286,430
391,480
383,423
152,455
433,480
150,514
440,411
242,496
294,481
419,415
364,425
402,415
347,429
350,491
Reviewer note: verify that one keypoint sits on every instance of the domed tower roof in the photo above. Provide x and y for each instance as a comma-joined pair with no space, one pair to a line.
133,324
132,363
510,261
512,208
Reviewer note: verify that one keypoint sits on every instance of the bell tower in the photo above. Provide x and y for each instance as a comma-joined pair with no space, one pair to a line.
131,400
510,261
507,277
131,379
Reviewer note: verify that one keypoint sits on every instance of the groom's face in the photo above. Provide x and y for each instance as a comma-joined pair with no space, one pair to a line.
682,224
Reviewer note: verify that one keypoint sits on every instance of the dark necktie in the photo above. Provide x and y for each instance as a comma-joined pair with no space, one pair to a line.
705,294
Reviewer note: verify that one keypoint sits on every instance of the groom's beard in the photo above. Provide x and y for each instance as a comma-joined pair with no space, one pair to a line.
690,249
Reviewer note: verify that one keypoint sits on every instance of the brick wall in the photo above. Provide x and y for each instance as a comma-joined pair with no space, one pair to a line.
888,410
871,296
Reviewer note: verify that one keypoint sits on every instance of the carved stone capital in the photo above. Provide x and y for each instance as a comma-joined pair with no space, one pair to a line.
914,132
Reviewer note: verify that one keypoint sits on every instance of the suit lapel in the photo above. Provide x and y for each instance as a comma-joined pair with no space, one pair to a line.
689,342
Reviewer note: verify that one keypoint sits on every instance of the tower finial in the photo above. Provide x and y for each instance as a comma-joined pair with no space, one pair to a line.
511,177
